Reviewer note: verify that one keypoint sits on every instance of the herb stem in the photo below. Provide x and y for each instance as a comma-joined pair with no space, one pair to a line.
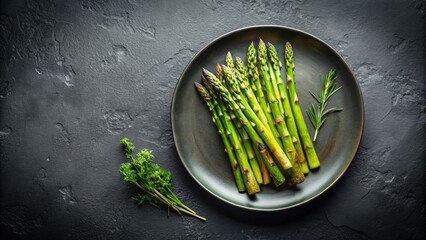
155,182
318,112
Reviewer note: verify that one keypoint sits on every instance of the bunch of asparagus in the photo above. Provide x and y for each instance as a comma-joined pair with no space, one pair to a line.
259,119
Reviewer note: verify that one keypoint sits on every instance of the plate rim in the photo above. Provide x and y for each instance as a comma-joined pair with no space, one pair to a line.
352,154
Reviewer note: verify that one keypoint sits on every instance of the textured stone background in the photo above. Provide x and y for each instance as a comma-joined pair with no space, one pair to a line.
77,76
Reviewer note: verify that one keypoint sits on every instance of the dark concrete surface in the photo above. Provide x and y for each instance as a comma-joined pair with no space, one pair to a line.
77,76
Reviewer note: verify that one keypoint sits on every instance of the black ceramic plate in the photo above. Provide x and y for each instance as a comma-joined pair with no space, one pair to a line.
199,145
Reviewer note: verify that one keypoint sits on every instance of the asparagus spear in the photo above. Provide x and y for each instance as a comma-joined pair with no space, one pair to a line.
246,115
257,140
288,113
229,60
308,146
273,100
296,175
266,179
250,153
243,134
236,136
248,177
236,85
253,73
219,73
241,75
206,96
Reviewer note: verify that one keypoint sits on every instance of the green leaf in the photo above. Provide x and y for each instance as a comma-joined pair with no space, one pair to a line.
145,155
128,172
317,113
154,182
128,147
141,199
313,95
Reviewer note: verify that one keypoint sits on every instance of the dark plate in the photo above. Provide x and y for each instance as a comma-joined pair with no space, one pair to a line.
199,145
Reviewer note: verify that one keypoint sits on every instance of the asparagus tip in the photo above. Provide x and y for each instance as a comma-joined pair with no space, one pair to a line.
202,91
262,47
204,81
198,85
205,72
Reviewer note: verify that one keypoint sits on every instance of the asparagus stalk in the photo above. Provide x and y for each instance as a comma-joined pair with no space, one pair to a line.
274,80
238,147
229,60
266,179
246,115
219,73
224,134
253,74
288,113
250,153
308,145
296,175
238,87
256,139
241,75
244,136
272,99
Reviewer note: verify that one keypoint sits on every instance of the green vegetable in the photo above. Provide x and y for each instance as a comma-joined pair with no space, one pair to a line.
256,84
249,126
317,113
241,75
251,117
233,124
308,145
300,158
258,115
230,141
155,182
274,100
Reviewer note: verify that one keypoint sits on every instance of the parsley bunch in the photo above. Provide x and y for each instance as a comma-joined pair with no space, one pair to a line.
155,182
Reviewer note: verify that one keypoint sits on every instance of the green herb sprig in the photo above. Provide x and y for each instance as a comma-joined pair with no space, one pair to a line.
318,112
155,182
